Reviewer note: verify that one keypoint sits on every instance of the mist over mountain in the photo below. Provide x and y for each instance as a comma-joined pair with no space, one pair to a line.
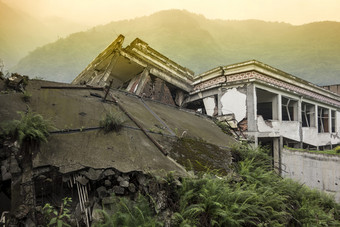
21,33
310,51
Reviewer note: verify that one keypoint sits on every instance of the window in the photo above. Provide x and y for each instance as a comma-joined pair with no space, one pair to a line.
307,115
323,117
333,117
289,108
266,104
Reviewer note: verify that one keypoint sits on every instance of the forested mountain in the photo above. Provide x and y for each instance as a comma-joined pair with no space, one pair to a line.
310,51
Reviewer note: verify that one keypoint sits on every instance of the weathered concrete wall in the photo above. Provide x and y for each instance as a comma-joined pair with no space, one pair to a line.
288,129
315,170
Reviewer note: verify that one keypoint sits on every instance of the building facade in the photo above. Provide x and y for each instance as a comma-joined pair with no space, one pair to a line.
270,106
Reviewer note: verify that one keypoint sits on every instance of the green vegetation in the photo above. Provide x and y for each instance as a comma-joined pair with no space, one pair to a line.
32,128
335,151
112,122
130,213
26,96
253,195
58,217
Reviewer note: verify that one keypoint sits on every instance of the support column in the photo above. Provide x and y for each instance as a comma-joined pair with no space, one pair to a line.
276,154
251,108
279,107
299,118
219,103
142,81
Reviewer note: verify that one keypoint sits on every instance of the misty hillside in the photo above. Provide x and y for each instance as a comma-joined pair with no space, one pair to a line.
21,33
310,51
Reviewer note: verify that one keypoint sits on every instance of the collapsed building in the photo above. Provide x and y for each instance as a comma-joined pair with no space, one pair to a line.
161,103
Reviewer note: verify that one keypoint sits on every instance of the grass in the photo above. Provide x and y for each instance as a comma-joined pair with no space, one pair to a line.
112,122
335,151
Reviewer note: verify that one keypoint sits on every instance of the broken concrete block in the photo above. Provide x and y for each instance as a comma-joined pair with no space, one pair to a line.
14,166
102,192
118,190
124,184
108,172
132,188
161,201
107,183
119,179
82,180
141,179
92,174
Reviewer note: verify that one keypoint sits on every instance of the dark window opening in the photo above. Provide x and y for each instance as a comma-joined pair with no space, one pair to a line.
265,109
197,106
266,104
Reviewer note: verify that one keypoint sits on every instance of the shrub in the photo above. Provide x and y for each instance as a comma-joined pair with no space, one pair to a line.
337,149
32,128
55,217
112,122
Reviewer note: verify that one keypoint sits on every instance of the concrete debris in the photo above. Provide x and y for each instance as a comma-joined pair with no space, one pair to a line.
92,174
124,184
132,188
161,201
82,180
107,183
14,166
5,174
102,192
118,190
108,172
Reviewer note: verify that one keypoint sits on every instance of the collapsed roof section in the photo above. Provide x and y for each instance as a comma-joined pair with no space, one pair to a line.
139,69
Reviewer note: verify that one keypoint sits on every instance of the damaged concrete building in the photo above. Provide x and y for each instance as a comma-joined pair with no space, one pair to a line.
161,103
139,69
260,103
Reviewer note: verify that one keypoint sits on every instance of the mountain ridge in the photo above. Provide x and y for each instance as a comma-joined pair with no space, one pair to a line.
306,51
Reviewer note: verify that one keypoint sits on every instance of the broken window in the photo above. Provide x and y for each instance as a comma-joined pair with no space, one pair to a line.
266,104
289,109
308,115
323,119
333,121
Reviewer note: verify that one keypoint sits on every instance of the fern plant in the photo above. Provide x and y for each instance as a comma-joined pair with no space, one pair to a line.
32,128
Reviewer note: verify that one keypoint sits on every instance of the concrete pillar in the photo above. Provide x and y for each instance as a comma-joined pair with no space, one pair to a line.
299,119
279,107
219,103
275,107
142,81
276,154
251,108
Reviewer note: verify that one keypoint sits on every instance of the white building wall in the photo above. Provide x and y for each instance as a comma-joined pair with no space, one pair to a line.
234,102
315,170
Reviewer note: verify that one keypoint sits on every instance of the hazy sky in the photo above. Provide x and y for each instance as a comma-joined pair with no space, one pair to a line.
92,12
